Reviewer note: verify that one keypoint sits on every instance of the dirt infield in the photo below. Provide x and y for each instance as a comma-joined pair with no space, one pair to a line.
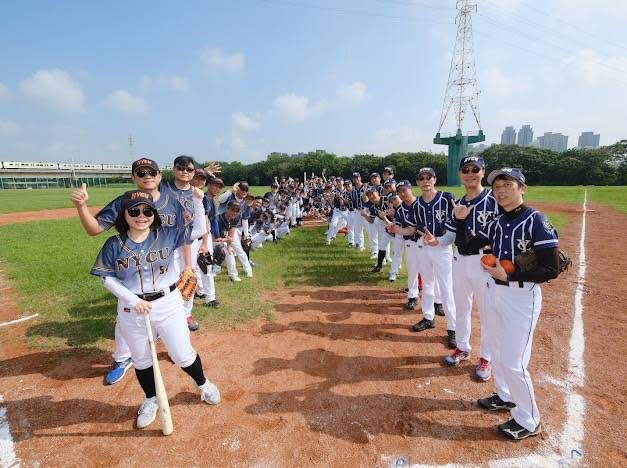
336,380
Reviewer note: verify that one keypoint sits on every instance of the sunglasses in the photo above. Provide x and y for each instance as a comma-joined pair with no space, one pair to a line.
143,173
185,169
134,212
426,177
473,169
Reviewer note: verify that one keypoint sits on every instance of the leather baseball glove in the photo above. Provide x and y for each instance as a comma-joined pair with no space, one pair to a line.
205,261
219,253
187,284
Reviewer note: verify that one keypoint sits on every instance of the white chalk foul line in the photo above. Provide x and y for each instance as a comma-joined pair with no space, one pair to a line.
23,319
571,438
7,447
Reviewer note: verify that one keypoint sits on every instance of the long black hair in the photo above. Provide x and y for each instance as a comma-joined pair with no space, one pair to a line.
122,226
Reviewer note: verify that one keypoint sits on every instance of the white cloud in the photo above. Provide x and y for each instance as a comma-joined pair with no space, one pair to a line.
4,91
170,82
500,85
243,122
123,101
8,127
353,93
217,60
62,149
293,107
591,69
114,148
55,88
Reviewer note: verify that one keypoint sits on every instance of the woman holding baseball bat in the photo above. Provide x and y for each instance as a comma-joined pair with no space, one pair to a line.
137,266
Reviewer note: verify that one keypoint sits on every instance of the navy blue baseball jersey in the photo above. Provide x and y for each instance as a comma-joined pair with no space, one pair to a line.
244,209
170,211
374,210
222,225
184,197
434,214
145,267
355,196
405,216
483,209
522,229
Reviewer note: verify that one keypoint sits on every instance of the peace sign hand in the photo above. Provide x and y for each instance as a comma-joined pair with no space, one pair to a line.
460,211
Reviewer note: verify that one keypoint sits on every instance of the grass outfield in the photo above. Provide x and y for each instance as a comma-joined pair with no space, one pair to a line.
52,278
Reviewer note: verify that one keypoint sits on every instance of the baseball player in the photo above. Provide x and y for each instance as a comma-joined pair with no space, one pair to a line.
139,267
388,173
355,221
399,243
433,210
373,234
238,194
469,279
181,189
374,214
146,176
339,218
515,299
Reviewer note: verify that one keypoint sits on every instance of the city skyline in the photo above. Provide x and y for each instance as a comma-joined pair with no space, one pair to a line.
352,77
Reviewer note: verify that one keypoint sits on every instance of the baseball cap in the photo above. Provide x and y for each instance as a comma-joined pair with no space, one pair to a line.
201,173
144,162
430,170
476,160
216,181
513,173
356,174
371,189
388,169
403,184
137,197
389,182
374,174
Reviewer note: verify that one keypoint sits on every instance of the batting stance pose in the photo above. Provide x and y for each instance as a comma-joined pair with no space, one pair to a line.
469,279
138,267
515,299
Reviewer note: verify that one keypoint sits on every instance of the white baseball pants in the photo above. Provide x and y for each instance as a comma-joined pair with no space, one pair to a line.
413,250
436,265
397,259
338,221
356,229
238,251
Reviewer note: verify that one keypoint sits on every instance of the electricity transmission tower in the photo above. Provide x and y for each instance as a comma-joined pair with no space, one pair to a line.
461,93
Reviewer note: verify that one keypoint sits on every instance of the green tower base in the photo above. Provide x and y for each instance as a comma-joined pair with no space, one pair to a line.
457,150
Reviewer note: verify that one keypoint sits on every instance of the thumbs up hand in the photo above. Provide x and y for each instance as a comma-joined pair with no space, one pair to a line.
79,196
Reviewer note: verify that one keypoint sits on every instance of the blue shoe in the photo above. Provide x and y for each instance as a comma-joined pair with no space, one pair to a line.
117,371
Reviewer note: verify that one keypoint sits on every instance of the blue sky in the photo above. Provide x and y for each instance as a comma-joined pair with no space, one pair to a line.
235,80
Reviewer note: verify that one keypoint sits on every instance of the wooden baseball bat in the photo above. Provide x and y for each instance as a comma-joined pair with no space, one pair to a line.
162,397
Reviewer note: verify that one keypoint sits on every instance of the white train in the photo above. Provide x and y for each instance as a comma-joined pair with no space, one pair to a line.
63,166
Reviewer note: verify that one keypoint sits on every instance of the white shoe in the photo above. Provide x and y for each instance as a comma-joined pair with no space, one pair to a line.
209,393
147,412
392,277
249,274
385,261
374,256
235,279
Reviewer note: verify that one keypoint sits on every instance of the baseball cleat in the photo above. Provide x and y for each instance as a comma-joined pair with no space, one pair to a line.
350,244
457,357
147,412
411,303
249,274
483,370
439,309
199,295
495,403
215,304
376,269
209,393
192,324
392,277
117,371
515,431
450,340
374,256
235,279
423,325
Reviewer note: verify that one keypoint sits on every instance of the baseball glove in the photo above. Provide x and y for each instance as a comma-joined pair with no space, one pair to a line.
205,261
247,244
219,253
526,261
187,284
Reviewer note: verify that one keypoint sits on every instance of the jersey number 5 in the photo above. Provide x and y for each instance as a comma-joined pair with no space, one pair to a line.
163,270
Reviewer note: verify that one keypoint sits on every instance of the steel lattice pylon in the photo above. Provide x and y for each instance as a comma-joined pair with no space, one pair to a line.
462,91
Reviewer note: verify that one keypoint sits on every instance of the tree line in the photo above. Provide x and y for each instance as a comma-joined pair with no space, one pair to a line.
602,166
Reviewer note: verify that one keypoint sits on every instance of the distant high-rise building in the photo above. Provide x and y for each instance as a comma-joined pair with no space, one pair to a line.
553,141
525,135
589,140
476,149
508,137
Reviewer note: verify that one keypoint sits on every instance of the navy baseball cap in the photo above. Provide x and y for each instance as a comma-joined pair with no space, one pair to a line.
430,170
389,182
510,172
348,182
403,184
388,169
476,160
374,174
144,162
137,197
371,189
356,174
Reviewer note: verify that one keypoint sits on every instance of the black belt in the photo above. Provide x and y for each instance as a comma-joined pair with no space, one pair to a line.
485,251
351,209
506,283
153,296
